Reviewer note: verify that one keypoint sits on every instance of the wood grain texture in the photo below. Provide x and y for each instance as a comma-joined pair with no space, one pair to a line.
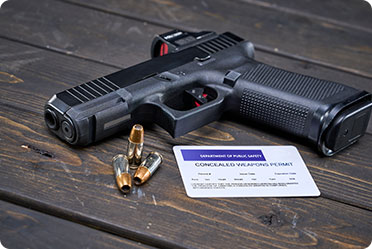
41,74
350,14
271,30
78,31
78,184
24,228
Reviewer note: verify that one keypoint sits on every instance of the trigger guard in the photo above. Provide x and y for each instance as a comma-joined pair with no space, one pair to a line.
178,123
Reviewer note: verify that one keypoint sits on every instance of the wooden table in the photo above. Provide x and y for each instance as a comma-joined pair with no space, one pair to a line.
56,196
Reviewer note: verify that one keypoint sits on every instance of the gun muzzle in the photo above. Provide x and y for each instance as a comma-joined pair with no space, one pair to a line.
123,177
147,168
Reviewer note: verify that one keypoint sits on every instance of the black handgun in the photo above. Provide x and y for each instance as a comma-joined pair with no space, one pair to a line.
192,79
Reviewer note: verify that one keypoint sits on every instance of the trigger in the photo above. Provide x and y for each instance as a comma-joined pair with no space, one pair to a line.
198,96
197,104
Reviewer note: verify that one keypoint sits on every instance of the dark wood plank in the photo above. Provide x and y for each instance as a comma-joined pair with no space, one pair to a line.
350,14
78,184
78,31
30,76
31,95
25,228
271,30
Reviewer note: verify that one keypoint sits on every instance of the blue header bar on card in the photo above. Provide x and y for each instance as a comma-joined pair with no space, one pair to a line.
223,155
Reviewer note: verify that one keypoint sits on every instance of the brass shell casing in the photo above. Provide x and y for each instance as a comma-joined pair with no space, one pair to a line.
134,154
121,168
135,145
147,168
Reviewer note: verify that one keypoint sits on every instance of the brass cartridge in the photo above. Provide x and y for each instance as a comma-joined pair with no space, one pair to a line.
122,175
135,145
147,168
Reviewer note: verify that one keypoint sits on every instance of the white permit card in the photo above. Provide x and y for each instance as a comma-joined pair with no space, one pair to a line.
244,171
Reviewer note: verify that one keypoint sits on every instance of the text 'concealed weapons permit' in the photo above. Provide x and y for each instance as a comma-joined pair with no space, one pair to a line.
244,171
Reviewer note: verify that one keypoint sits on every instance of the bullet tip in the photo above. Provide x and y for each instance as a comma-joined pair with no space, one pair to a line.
137,134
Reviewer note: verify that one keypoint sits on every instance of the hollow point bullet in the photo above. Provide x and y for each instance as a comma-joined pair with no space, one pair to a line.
147,168
122,175
135,145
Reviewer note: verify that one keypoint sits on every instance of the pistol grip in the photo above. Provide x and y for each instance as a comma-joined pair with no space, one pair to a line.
329,114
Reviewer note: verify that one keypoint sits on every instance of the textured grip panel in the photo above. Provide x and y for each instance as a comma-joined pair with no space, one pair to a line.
294,83
275,112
